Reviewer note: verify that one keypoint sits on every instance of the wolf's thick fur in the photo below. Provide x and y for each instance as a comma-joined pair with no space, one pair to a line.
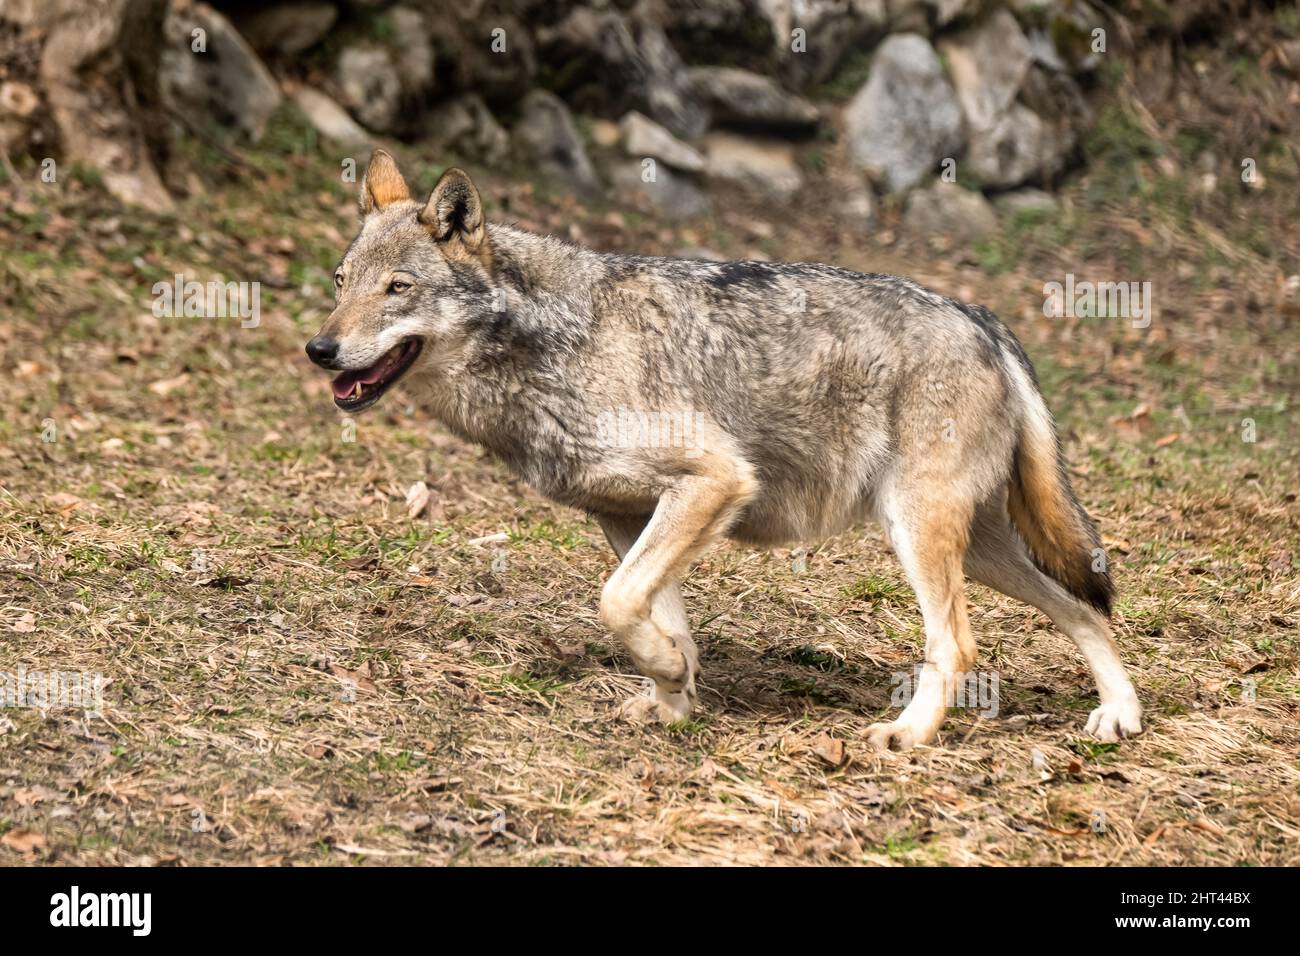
817,398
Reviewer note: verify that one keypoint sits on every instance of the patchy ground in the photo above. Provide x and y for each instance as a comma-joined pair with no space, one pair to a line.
299,671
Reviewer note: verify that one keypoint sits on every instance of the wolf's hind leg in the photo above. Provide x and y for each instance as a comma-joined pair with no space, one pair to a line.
998,558
929,537
641,602
668,607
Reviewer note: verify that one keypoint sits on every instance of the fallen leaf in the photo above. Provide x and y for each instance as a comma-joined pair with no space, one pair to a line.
707,772
63,502
23,841
358,677
165,386
25,624
828,749
30,796
417,499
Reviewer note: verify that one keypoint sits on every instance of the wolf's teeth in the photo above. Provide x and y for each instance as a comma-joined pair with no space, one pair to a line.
356,390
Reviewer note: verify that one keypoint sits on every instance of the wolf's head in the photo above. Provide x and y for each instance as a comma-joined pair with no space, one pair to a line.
407,286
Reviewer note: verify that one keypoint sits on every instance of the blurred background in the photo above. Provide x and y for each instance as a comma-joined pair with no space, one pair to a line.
323,635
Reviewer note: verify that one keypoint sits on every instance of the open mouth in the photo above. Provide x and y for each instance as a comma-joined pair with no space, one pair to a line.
360,388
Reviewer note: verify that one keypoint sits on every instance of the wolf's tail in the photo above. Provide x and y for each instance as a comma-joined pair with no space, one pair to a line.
1061,537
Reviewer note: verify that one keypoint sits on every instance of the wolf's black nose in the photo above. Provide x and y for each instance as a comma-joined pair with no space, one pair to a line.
322,351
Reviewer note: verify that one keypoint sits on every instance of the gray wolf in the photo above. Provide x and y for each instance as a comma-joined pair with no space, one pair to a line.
816,397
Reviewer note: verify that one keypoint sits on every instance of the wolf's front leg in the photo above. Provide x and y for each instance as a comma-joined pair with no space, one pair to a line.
642,602
668,617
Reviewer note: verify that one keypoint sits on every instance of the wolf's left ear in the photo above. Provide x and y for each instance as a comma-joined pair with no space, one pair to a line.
454,214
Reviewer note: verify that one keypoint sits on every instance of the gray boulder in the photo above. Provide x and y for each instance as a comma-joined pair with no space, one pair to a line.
644,137
1018,148
830,29
740,97
654,185
765,166
466,126
369,85
632,55
224,79
946,210
545,134
286,29
988,64
906,118
329,118
413,48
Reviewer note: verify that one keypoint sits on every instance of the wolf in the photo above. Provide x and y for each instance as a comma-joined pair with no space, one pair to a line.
817,398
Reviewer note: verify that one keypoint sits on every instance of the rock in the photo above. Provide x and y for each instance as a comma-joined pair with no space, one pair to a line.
987,63
644,137
79,73
545,133
743,98
225,80
654,184
328,118
286,29
906,118
414,50
493,55
763,165
466,126
1027,201
370,85
830,29
1018,148
1043,52
855,203
947,210
632,56
664,87
1060,105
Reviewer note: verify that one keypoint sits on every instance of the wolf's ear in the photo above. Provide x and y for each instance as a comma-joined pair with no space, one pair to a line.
382,185
454,214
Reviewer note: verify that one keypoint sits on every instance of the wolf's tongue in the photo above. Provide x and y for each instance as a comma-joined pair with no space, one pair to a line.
345,384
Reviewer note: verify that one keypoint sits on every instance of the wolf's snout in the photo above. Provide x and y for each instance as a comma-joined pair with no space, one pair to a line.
323,351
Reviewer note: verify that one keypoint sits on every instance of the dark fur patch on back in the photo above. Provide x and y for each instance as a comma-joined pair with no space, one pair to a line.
754,274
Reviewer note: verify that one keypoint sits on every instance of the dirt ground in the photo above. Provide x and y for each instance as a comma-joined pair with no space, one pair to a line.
298,671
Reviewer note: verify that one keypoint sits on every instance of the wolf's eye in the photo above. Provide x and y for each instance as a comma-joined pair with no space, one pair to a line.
397,287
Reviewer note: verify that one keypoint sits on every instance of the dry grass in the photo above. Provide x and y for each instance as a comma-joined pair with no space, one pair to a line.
300,672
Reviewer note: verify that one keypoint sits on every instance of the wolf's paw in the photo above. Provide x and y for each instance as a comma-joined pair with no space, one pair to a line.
664,707
1115,719
892,736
